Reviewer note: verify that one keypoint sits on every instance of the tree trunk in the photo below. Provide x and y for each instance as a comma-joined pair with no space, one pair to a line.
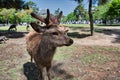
91,17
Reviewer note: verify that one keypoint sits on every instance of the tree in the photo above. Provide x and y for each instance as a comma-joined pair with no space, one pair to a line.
6,15
17,4
108,11
79,12
114,9
90,11
57,12
32,5
16,11
69,17
91,17
102,2
101,12
90,14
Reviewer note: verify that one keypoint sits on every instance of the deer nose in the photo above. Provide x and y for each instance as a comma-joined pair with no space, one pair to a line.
71,41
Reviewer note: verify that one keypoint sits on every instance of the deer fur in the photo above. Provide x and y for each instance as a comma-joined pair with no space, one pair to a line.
43,41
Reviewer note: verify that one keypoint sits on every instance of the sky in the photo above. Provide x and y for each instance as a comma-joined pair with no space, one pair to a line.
66,6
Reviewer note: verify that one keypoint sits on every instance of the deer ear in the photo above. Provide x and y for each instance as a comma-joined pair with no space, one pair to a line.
37,27
60,15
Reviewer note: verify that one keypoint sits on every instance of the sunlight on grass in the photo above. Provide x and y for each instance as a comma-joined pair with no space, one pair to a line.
110,49
19,28
94,58
77,25
88,25
61,79
64,52
13,72
104,48
2,45
23,28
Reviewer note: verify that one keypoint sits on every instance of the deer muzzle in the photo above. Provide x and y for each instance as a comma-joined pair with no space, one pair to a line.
69,42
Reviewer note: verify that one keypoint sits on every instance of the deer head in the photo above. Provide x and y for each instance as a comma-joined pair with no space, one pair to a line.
53,32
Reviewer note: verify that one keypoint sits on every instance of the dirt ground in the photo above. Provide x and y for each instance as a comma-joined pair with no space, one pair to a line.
92,58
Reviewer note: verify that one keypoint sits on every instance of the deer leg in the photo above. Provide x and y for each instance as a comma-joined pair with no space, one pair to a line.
31,59
26,28
9,29
15,29
4,41
48,72
41,75
31,56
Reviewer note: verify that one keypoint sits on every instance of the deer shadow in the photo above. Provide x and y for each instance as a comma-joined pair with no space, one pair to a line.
12,34
77,35
31,71
61,73
111,33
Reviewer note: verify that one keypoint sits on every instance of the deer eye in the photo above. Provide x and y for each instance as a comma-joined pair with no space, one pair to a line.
55,33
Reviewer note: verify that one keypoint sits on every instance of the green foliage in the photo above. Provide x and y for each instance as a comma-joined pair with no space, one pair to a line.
27,18
14,12
114,9
57,12
32,5
102,2
13,16
70,17
6,14
108,11
101,12
79,12
17,4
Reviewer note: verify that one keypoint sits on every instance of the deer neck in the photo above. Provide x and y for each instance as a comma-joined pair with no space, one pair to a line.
46,47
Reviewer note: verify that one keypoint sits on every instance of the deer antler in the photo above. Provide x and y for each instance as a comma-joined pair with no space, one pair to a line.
37,17
56,20
45,20
48,20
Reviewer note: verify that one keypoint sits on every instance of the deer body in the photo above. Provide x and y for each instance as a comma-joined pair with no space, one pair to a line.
12,26
42,44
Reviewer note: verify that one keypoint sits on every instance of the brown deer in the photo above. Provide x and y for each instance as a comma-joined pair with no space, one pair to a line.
12,26
42,43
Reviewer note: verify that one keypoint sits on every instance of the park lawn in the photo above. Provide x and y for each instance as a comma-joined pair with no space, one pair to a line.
23,28
88,25
19,28
77,25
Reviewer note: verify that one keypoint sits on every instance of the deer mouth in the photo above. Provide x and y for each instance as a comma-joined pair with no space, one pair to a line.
70,42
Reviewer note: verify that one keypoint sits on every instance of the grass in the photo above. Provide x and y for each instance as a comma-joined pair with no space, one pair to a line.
64,52
60,79
98,55
77,25
94,58
88,25
23,28
1,45
19,28
110,49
